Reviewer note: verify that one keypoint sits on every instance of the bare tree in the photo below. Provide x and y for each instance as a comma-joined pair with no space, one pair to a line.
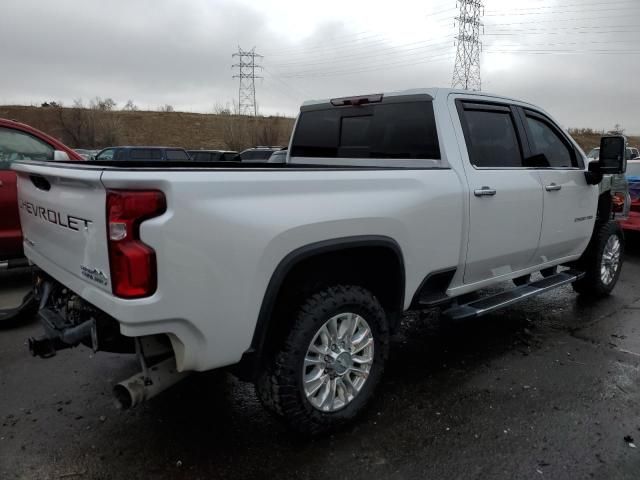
130,106
96,126
166,108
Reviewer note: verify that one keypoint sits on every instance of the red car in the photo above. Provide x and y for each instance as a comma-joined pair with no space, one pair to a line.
20,142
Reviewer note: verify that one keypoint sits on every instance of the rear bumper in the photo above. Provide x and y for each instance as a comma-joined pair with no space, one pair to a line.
136,318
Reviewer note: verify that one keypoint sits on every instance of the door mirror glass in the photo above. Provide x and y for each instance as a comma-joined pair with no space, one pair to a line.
613,155
60,156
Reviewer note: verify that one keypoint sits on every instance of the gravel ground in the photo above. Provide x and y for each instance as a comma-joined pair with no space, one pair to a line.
549,388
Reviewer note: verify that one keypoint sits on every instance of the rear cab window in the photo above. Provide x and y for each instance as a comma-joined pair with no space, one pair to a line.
396,129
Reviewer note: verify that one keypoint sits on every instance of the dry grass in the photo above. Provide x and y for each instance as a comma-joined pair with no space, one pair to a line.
188,130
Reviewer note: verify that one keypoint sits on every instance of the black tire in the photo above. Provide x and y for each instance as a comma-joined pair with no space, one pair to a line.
591,262
280,387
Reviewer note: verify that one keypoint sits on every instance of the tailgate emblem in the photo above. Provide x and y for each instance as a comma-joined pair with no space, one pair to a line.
94,274
53,216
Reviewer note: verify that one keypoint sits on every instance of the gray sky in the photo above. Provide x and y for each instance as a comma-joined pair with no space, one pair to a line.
578,59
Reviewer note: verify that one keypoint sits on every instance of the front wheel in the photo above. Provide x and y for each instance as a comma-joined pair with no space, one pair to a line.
331,361
602,261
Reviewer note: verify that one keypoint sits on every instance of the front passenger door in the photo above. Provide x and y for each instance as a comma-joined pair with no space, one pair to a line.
569,202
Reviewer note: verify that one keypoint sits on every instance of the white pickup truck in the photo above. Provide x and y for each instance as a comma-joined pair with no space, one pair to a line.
295,274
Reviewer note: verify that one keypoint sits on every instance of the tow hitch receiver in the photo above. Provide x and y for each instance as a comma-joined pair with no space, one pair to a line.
57,335
58,332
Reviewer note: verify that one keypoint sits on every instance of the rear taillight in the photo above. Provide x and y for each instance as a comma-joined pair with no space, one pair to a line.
132,263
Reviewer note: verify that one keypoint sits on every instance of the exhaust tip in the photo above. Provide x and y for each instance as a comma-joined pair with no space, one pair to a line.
123,398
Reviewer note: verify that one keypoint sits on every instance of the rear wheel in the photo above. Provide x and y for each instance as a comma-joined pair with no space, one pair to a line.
602,261
331,361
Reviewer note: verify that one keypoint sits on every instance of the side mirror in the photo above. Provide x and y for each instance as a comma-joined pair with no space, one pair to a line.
613,151
60,156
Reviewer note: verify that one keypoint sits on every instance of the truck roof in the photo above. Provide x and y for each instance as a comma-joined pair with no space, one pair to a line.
432,92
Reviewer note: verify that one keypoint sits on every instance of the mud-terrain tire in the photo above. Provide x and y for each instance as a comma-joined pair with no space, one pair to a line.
345,317
602,261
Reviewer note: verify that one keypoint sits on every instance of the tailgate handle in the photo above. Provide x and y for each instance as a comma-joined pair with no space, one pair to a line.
40,183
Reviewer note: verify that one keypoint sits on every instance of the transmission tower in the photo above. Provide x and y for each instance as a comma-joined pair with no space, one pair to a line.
247,75
466,73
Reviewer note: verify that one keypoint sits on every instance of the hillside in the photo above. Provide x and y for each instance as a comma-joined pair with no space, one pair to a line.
188,130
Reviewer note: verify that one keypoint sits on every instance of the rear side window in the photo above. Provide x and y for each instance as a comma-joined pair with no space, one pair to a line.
145,154
491,137
178,155
403,130
228,156
547,140
17,145
201,156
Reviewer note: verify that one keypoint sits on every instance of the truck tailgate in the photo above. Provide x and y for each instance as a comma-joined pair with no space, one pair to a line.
63,216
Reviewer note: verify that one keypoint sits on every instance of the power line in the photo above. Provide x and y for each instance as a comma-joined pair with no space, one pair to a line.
395,50
346,39
466,72
247,80
623,4
374,67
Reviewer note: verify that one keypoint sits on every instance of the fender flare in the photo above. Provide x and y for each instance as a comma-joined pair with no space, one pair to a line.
294,258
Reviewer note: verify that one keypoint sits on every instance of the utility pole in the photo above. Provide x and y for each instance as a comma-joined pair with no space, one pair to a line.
247,77
466,73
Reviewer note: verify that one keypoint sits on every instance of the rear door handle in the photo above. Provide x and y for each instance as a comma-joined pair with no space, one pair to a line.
553,187
485,192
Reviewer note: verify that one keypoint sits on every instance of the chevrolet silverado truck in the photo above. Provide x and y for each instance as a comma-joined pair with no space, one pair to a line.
293,275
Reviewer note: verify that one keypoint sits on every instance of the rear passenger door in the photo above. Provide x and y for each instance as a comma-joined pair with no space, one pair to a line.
569,202
505,197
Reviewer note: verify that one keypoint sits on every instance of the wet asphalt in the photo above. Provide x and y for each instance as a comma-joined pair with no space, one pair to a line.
549,388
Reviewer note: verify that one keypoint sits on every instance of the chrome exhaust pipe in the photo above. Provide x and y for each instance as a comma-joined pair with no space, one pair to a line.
140,387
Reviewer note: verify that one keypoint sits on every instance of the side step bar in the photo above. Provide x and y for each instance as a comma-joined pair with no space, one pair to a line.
489,304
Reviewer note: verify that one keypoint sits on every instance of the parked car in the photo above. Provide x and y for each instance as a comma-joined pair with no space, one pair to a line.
279,156
142,154
20,142
257,154
86,154
632,223
213,155
632,153
387,203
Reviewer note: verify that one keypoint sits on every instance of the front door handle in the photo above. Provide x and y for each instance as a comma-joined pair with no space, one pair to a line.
553,187
485,192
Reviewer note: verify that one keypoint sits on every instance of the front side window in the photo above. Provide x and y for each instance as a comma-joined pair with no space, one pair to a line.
491,138
106,154
594,154
402,130
17,145
546,140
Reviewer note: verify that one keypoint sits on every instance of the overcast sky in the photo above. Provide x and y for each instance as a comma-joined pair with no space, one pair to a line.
578,59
